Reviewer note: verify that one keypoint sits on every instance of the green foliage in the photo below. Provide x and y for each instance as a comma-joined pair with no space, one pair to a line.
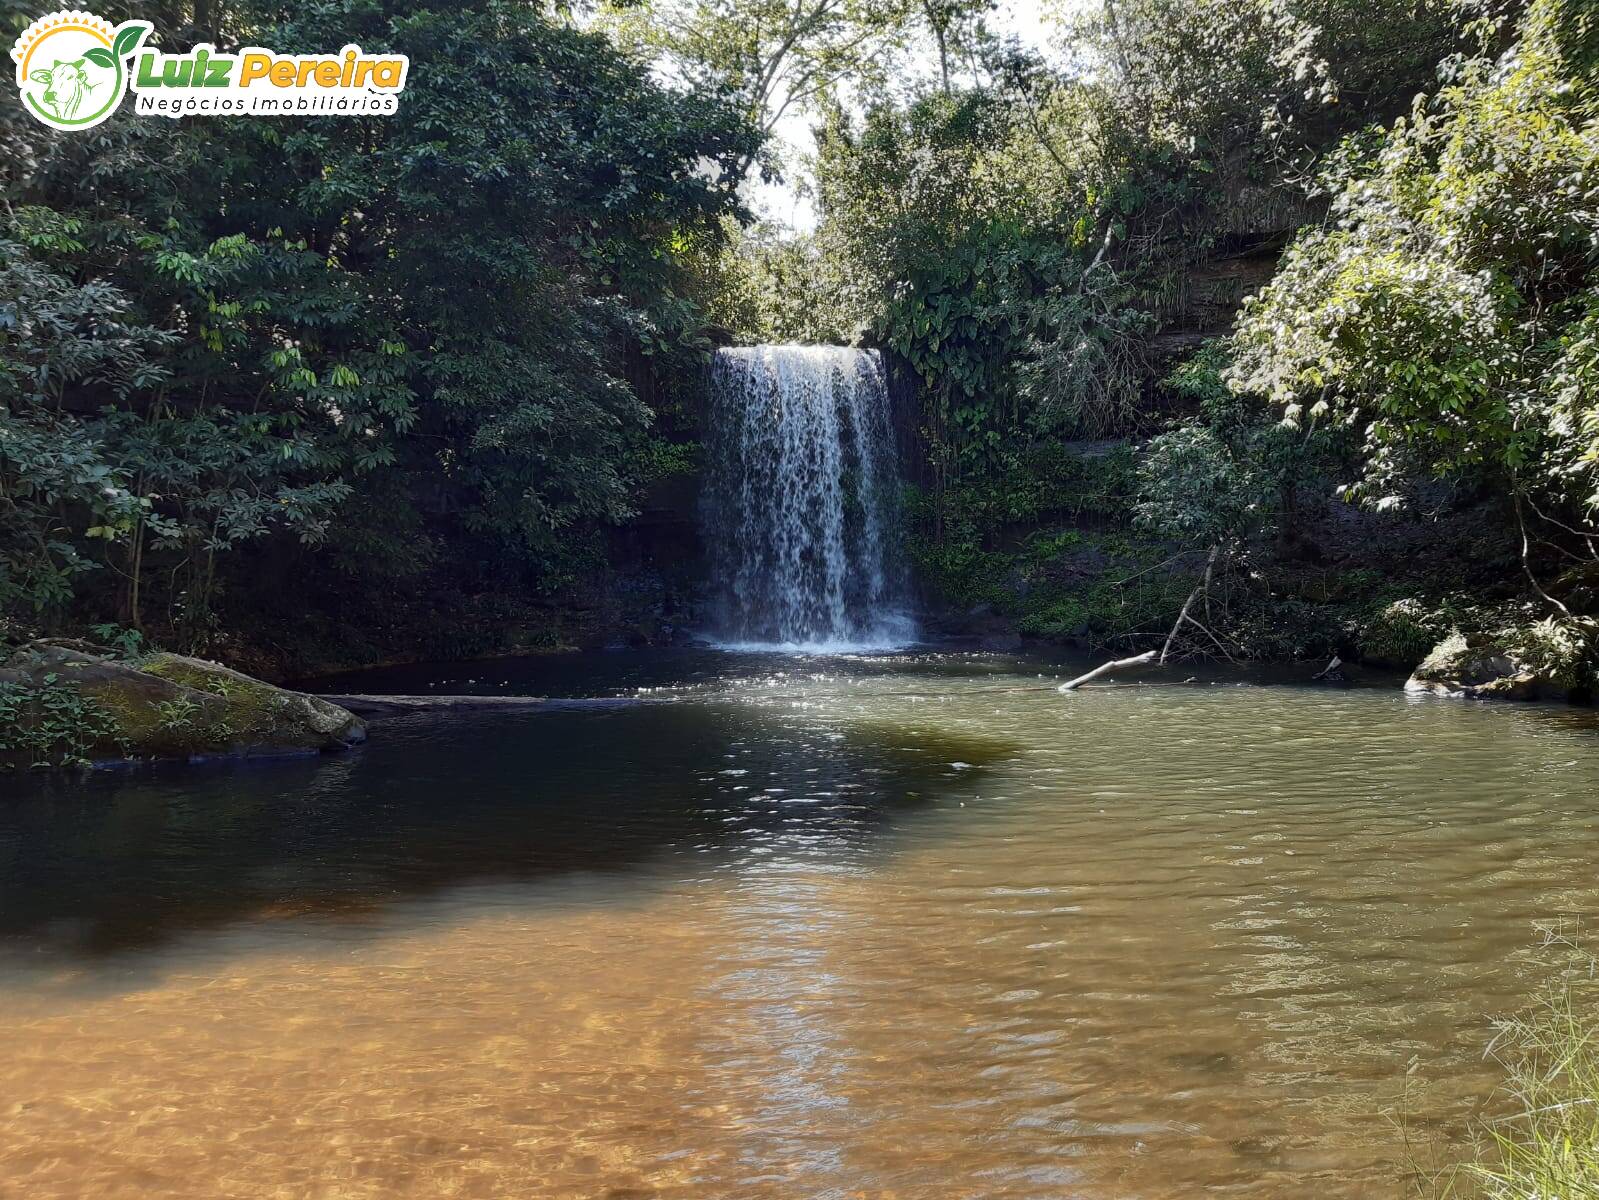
1084,361
1230,475
659,459
51,725
902,186
1548,1144
432,355
1106,611
1194,487
528,200
778,56
1014,324
1035,484
1403,632
1448,313
764,287
176,714
1067,577
55,334
1011,336
129,644
120,445
1019,242
410,344
1563,649
1245,84
222,685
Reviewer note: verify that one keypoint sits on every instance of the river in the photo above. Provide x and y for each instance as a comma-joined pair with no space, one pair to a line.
905,926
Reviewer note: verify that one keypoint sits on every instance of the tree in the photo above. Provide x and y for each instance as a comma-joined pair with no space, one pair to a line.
518,219
783,56
954,25
1449,311
404,338
215,387
1268,78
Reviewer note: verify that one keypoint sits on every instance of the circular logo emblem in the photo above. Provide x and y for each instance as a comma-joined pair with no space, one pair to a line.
72,67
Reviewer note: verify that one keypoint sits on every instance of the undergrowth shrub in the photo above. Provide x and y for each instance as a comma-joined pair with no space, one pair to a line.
51,725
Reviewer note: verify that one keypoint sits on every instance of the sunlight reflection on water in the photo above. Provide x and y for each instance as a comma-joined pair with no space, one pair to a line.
890,928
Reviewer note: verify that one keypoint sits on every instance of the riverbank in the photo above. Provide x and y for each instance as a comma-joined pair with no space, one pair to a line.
75,704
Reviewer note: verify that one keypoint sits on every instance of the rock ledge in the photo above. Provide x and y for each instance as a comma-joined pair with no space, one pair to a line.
1479,667
174,707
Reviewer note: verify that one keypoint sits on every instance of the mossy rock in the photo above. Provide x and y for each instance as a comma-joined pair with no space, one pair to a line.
176,707
1481,667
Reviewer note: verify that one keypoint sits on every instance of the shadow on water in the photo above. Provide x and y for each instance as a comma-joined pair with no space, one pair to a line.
124,863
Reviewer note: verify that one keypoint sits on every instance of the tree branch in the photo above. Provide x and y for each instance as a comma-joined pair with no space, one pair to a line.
1526,556
1118,665
1201,588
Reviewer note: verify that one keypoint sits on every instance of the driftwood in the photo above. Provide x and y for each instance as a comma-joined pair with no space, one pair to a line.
393,706
1183,617
1118,665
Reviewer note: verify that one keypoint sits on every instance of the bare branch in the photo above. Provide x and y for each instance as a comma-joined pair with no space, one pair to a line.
1119,664
1200,588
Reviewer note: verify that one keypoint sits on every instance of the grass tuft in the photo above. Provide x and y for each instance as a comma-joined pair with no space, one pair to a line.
1548,1148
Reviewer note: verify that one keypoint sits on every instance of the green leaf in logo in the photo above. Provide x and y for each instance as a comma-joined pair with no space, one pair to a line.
99,56
128,39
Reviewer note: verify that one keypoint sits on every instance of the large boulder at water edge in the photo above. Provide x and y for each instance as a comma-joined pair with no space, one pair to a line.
1482,667
64,702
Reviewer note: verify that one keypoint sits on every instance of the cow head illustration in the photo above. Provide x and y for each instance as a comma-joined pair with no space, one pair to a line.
67,87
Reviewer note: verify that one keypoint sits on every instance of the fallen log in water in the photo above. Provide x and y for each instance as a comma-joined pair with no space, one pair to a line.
1202,588
1139,660
394,706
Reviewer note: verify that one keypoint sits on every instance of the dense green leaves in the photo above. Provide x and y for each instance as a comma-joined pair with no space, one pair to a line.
1019,243
1447,310
438,349
1034,247
347,331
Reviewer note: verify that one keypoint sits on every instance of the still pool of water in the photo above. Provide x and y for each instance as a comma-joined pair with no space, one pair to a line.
900,927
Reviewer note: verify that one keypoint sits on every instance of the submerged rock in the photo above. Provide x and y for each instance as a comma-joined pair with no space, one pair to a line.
168,707
1482,667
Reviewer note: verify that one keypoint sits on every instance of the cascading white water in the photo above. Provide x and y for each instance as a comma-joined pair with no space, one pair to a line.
800,504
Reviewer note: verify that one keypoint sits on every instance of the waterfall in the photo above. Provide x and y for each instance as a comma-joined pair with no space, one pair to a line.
800,511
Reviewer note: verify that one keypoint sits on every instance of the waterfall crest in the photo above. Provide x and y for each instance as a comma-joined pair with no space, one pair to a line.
800,512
